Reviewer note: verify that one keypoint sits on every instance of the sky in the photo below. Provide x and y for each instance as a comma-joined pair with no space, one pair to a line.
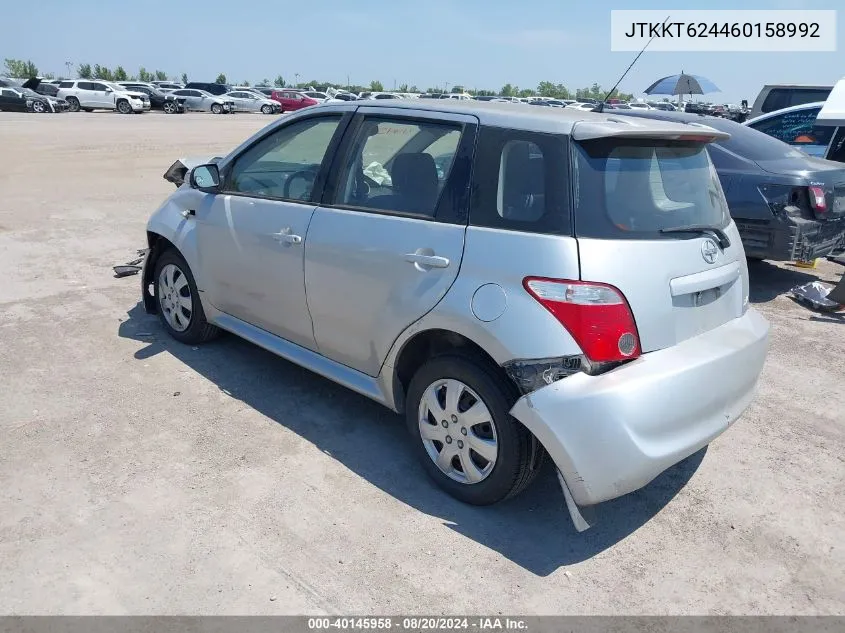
473,43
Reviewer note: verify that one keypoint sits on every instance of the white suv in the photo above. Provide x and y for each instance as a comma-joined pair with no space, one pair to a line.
87,95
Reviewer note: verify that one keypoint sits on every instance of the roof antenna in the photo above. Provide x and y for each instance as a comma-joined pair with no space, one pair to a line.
601,105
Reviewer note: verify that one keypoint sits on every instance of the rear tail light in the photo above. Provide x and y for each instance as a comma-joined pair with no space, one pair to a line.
596,315
817,200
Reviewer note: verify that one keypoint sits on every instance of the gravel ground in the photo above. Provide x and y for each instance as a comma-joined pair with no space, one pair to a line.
138,475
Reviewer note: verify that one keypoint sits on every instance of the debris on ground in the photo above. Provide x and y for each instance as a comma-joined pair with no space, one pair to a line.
814,295
131,267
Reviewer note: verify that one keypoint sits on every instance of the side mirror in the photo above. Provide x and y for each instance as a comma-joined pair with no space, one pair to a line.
109,90
205,178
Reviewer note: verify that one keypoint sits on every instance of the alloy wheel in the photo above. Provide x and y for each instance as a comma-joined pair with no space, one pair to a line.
458,431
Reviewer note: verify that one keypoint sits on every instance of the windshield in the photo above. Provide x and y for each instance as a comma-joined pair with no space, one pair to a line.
634,188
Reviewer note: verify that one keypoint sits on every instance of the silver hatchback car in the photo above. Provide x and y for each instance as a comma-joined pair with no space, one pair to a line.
517,281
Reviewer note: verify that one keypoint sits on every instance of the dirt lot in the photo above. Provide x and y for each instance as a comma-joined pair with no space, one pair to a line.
138,475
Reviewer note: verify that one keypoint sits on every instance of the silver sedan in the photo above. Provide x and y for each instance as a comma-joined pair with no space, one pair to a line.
248,101
202,100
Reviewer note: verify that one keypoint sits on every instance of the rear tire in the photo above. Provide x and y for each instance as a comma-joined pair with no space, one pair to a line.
517,456
178,301
72,104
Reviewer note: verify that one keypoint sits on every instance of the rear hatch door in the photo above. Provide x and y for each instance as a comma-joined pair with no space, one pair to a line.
651,219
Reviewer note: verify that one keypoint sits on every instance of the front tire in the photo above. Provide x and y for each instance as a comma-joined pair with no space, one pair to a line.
179,306
124,107
457,412
265,109
72,104
169,107
216,108
39,106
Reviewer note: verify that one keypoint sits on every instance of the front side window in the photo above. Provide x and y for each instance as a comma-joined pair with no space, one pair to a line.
284,164
634,188
399,166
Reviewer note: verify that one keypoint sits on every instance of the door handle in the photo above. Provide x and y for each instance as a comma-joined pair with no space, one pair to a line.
286,237
431,261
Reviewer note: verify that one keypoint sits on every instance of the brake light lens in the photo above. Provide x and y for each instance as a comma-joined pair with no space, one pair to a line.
596,315
817,199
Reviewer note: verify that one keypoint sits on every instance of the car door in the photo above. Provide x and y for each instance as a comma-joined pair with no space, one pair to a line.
386,243
239,99
101,96
251,237
193,98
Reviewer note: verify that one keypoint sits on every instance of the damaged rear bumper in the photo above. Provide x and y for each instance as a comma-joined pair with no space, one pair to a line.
799,239
612,434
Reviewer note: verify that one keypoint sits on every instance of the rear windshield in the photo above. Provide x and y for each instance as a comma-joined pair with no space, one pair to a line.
634,188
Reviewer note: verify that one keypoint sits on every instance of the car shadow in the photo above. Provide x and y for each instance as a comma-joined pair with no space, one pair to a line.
533,530
768,281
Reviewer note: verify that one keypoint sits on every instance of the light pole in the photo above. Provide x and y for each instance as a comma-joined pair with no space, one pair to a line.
296,75
68,65
347,83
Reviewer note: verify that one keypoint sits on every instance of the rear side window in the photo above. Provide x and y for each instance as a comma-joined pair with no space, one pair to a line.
520,183
85,85
779,98
796,128
632,189
66,84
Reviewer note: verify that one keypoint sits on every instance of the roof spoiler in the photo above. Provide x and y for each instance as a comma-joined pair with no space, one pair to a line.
633,129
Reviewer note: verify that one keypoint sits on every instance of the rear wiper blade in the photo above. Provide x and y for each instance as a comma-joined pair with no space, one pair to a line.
719,234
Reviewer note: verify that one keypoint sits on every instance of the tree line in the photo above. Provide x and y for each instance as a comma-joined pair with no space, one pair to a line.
25,69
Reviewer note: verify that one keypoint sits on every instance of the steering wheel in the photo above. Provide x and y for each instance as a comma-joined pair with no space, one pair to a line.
308,175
